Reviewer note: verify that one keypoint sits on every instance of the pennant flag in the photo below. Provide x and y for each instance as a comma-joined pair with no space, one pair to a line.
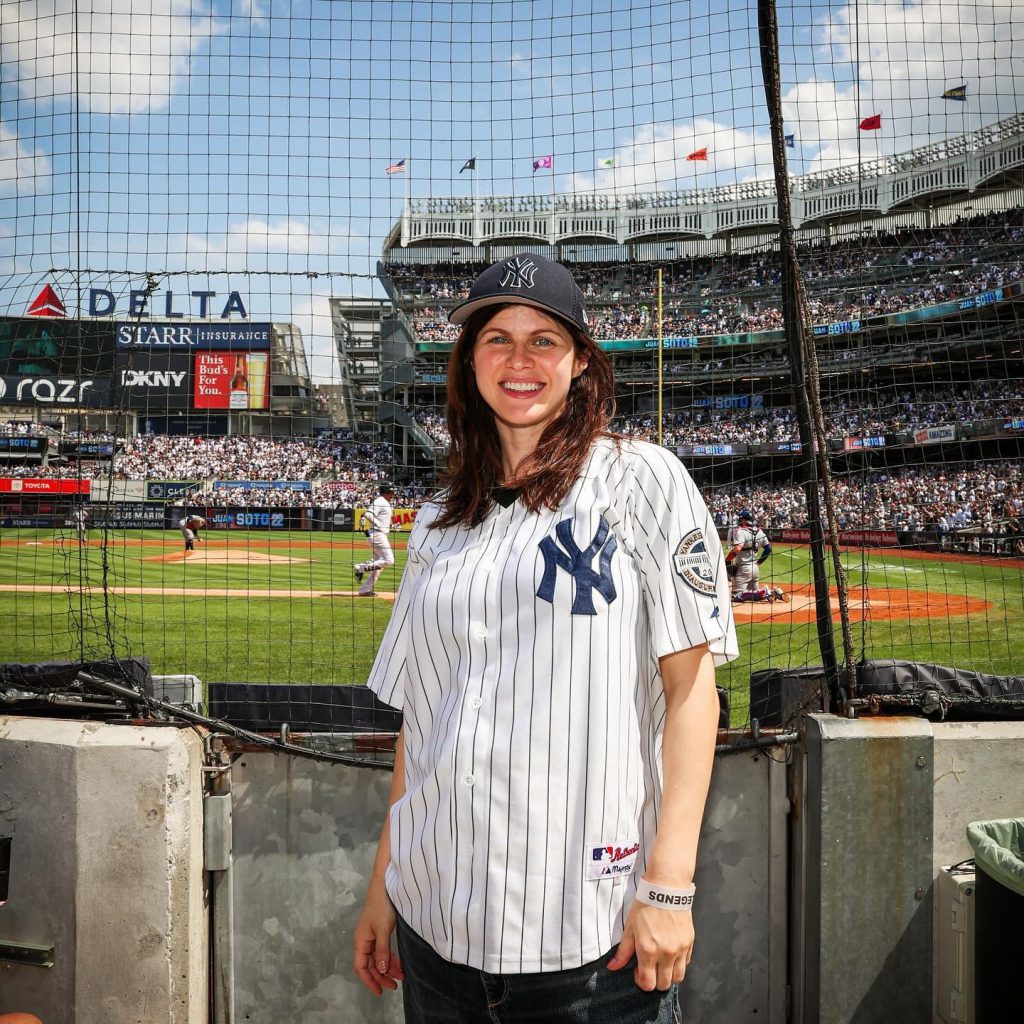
606,161
469,165
395,168
47,303
790,141
872,123
699,154
544,163
958,93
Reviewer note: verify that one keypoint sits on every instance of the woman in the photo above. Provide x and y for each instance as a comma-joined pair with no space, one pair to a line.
552,647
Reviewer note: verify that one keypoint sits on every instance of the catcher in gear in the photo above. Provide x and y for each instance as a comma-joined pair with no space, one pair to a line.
748,548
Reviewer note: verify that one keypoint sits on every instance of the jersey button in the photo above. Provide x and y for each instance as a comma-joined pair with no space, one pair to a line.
481,632
468,780
475,702
487,567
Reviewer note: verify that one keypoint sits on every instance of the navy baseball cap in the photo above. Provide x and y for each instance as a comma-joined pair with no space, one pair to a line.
386,487
527,280
747,515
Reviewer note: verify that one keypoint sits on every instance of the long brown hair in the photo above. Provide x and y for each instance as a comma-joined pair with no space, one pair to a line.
474,453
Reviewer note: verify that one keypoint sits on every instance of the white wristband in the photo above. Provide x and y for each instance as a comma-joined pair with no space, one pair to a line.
664,897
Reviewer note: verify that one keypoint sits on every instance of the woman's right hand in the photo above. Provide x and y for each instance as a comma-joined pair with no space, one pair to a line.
374,962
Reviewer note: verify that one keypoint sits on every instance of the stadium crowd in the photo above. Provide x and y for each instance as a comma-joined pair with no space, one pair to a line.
738,294
887,411
244,457
983,497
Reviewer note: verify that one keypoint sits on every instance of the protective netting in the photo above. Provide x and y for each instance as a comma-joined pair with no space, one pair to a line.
230,237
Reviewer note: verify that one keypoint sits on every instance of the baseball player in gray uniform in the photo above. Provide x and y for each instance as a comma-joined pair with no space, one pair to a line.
552,648
190,527
749,547
377,523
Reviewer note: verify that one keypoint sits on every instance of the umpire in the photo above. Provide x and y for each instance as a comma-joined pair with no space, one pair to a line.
748,548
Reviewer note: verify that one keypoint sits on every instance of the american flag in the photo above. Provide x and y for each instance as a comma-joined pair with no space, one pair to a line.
395,168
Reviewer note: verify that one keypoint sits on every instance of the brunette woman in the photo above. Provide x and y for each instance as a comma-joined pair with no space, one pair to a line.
552,647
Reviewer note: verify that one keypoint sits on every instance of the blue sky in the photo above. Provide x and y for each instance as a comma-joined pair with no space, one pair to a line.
246,142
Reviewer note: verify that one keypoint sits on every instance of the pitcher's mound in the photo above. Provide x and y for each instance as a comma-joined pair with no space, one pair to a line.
227,556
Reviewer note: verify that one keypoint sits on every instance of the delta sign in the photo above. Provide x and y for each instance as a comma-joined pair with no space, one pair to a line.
142,302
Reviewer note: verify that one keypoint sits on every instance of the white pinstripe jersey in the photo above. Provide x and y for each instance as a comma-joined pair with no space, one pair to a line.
378,516
524,653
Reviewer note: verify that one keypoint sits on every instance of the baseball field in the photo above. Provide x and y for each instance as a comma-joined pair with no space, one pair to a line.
282,607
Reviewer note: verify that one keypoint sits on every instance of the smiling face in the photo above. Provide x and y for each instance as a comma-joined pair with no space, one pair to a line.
524,361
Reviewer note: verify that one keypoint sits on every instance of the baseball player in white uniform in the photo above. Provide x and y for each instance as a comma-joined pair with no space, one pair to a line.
749,547
552,648
377,523
190,527
80,517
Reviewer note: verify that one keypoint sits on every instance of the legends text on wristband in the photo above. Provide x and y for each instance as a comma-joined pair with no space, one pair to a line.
665,897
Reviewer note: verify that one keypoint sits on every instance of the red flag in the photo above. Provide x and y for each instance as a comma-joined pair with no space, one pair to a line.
700,154
872,123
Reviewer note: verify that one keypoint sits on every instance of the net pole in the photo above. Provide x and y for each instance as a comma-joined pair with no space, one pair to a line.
661,378
804,382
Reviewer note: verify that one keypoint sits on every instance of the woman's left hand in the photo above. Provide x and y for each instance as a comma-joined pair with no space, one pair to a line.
662,941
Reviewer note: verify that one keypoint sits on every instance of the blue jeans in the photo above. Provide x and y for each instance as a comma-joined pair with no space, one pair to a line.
436,991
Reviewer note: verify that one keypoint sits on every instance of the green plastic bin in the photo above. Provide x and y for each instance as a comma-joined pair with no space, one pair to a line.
998,917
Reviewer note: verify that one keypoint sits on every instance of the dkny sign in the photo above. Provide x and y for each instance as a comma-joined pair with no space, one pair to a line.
152,378
154,381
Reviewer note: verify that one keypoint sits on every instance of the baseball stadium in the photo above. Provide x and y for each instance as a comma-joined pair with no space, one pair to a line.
236,241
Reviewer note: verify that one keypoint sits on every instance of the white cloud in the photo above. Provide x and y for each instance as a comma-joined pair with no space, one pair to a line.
655,158
22,169
131,54
909,54
311,313
257,245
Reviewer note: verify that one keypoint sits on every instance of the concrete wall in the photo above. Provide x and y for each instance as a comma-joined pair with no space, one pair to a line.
304,835
106,866
882,804
107,869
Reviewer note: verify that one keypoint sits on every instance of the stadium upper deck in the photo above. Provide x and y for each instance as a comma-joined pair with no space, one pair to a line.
946,173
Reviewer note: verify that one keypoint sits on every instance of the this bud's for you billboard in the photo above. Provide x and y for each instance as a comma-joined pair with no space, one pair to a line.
231,380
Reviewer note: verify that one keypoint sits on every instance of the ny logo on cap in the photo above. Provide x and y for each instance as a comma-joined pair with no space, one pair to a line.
519,273
578,564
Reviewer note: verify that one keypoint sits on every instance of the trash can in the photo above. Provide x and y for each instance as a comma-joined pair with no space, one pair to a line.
998,917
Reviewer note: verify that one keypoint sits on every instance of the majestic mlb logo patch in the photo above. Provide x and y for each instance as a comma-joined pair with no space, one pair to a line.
611,859
693,563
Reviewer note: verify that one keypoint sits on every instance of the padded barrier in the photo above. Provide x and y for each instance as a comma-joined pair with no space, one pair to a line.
940,690
55,688
49,677
778,696
265,707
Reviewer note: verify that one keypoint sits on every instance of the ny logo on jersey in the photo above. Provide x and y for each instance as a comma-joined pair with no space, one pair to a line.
579,564
519,273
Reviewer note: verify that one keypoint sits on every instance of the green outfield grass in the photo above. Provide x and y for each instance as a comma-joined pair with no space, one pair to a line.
333,638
